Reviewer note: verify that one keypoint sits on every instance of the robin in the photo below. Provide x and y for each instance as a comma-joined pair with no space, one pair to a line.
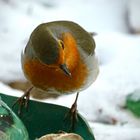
59,57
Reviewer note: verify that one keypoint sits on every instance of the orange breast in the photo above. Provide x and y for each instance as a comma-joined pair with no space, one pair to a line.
45,77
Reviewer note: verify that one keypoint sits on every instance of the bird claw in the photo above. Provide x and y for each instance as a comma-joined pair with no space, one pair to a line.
72,114
23,101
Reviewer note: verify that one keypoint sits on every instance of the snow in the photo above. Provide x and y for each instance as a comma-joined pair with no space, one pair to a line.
105,132
117,50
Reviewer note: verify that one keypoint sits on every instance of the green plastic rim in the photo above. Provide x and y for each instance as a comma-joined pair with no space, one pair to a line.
44,118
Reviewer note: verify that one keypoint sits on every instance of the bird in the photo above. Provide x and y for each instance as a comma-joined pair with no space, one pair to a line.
59,57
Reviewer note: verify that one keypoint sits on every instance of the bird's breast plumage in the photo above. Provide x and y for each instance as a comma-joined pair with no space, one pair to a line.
46,78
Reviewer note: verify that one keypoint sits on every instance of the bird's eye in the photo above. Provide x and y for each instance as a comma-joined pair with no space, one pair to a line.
61,44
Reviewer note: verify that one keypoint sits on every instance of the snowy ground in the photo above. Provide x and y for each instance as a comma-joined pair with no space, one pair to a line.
117,50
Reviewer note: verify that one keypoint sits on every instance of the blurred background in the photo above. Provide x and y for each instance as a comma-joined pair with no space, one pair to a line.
117,24
19,18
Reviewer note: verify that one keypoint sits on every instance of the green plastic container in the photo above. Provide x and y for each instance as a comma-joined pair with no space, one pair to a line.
44,118
133,102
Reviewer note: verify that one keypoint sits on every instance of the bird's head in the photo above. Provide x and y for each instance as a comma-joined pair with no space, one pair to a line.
48,48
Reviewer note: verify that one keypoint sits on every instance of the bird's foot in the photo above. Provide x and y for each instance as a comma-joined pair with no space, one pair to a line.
72,114
23,101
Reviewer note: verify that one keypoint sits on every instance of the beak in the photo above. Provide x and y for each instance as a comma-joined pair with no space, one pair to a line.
65,69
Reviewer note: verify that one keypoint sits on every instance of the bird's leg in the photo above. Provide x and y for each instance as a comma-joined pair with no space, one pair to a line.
73,113
23,101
